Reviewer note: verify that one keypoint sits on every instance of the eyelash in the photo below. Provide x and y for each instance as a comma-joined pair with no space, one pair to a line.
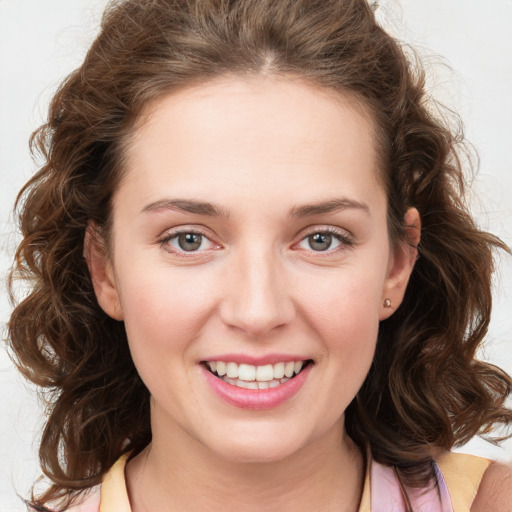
165,242
345,240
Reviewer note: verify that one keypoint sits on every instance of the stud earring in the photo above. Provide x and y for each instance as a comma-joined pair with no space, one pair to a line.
387,303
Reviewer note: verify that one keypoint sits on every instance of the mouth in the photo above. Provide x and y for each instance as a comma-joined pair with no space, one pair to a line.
248,376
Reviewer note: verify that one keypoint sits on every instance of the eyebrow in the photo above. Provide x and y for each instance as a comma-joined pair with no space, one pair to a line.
212,210
329,206
186,205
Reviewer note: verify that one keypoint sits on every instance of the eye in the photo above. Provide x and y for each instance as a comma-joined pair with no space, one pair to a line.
324,240
321,241
188,242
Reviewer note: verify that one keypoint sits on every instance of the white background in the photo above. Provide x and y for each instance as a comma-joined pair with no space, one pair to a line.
42,40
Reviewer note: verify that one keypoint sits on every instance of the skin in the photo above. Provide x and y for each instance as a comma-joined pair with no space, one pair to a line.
263,151
495,491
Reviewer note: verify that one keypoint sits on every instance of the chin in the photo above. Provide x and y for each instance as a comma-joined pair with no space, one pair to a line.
257,455
264,447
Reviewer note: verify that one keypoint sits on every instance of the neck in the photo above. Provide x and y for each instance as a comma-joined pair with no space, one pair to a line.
325,475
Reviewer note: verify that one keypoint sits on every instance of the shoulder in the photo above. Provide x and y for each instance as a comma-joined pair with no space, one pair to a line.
495,490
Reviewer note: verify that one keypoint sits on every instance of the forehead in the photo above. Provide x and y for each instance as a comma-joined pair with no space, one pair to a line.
237,133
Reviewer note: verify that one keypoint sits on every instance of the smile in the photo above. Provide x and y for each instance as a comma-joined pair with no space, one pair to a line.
249,376
250,386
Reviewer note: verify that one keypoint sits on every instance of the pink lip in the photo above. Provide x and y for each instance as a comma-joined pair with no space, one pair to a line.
256,398
256,360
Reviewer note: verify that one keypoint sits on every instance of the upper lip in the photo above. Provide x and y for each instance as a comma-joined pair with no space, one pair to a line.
260,360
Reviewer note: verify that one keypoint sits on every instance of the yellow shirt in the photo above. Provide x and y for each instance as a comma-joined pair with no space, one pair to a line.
462,474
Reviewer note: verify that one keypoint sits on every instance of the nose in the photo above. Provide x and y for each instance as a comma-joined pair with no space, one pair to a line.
257,299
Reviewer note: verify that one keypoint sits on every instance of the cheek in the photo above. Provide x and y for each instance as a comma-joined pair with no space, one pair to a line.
350,299
344,314
164,311
341,313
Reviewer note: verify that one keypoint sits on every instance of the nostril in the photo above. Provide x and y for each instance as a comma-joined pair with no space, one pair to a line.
257,301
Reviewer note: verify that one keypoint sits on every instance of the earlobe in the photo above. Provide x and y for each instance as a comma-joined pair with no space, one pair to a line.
401,265
101,272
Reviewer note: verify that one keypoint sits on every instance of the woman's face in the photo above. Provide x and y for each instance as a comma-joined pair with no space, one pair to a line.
249,234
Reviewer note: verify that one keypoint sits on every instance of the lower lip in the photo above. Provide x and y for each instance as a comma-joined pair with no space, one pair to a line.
256,398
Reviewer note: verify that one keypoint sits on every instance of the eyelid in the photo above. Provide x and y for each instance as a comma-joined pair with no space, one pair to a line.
172,233
346,239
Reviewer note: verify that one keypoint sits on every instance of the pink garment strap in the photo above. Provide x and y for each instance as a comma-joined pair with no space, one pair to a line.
387,494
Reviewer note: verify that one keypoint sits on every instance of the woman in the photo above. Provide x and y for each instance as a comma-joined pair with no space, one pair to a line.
255,281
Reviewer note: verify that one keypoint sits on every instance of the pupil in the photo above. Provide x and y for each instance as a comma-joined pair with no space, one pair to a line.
320,241
189,241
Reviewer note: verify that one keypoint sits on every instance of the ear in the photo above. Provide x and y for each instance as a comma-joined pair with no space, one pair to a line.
401,265
102,272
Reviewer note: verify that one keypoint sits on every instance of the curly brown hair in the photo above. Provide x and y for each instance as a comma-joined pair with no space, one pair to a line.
425,388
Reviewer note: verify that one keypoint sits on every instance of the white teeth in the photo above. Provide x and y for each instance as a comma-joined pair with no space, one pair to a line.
246,372
221,368
265,373
255,377
254,384
289,369
232,370
279,371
